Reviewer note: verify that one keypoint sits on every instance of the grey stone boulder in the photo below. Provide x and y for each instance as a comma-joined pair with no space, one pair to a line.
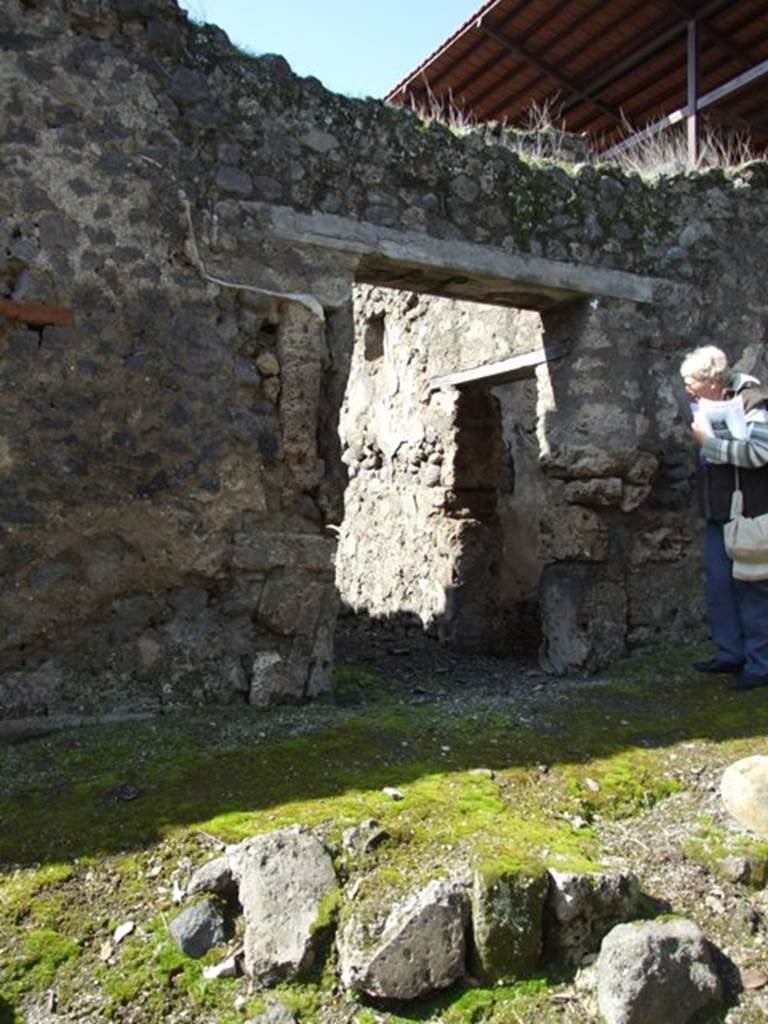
286,882
215,877
744,790
581,908
201,927
507,923
419,947
652,971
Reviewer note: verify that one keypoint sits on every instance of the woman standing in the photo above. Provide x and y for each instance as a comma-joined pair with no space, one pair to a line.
738,610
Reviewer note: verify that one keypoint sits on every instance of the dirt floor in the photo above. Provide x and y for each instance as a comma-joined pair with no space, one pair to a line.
103,826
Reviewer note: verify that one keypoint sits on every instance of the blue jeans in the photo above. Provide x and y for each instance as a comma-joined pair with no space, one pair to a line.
738,611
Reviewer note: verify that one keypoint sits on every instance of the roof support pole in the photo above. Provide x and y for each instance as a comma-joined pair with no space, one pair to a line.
692,118
707,100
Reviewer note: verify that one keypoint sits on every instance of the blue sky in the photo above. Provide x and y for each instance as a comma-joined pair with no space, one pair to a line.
356,47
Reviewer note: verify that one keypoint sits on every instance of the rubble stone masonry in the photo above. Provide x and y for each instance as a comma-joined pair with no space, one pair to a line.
170,465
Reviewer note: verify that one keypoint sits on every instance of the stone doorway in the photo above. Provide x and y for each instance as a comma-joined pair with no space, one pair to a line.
440,534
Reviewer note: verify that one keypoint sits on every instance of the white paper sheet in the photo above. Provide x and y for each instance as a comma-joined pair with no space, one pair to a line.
714,417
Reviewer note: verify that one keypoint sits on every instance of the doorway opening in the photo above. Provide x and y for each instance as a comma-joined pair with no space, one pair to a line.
444,494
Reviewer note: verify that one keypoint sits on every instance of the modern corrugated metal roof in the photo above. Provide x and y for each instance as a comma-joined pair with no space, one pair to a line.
601,66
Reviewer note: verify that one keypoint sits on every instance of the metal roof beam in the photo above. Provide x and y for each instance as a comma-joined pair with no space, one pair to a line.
717,35
434,83
419,75
477,100
650,42
635,56
549,70
693,77
666,73
715,95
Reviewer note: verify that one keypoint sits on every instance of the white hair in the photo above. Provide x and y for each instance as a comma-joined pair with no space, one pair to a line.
706,363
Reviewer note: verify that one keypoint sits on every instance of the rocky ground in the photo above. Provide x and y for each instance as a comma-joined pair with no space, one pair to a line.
669,846
103,827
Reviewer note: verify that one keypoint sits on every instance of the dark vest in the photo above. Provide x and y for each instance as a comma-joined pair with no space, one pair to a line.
715,483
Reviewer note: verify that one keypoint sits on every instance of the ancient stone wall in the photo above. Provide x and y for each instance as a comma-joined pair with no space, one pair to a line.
169,465
163,489
592,526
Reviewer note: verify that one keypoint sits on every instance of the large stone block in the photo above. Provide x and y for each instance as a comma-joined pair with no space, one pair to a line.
596,493
507,916
572,533
419,947
664,605
656,971
285,880
291,602
581,908
744,789
199,928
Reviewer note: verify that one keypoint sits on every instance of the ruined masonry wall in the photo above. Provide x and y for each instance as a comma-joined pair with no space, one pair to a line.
169,466
601,534
408,549
404,530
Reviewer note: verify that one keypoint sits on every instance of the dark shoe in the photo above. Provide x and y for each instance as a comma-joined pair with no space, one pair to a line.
747,681
714,665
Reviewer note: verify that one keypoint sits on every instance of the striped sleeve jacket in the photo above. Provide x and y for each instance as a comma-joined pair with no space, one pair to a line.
752,453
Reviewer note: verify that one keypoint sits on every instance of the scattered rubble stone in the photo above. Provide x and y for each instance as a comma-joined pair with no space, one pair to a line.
419,946
276,1013
200,927
363,838
583,907
215,877
744,789
507,923
751,871
656,971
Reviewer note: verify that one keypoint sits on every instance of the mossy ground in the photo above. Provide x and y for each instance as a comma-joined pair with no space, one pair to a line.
100,824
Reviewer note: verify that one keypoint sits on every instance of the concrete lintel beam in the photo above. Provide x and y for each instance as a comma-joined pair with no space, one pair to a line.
393,258
503,372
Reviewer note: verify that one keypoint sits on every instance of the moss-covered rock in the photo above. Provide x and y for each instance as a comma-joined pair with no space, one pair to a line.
507,915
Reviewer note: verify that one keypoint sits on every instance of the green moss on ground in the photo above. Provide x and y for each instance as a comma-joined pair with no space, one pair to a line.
713,847
100,824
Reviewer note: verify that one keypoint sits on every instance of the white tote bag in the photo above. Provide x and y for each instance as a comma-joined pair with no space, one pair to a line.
746,540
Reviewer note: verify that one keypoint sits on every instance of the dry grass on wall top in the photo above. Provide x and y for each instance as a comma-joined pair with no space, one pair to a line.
541,135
